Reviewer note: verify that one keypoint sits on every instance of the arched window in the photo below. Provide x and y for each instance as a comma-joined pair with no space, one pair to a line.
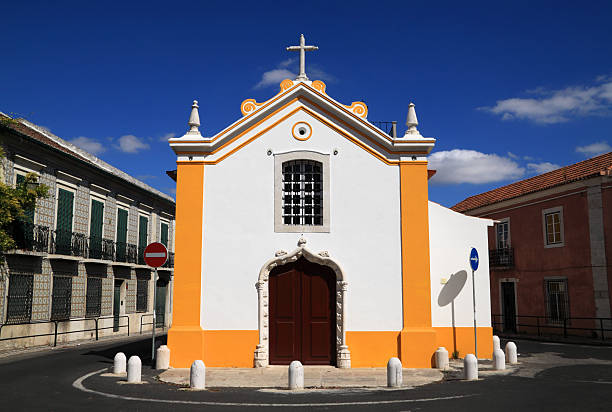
301,198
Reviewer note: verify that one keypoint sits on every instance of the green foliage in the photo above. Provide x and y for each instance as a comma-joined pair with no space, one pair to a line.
14,202
455,354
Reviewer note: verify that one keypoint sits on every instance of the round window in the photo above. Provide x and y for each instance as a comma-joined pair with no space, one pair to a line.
301,131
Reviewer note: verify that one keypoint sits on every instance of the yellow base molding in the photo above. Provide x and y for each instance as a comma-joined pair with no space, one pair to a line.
417,347
230,348
372,349
186,344
461,339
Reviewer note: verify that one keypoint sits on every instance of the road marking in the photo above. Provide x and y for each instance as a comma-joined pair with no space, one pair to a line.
609,383
78,384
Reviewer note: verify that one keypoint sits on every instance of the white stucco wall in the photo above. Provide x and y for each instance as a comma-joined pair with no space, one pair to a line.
239,232
451,238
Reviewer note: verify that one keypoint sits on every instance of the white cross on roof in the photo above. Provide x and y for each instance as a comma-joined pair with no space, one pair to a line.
302,49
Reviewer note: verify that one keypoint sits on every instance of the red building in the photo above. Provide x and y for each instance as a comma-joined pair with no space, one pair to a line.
551,249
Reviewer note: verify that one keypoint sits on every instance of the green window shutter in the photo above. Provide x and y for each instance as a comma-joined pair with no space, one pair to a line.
143,226
95,229
63,236
164,234
122,222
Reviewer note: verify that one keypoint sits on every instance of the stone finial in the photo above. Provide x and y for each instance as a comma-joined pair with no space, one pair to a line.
301,242
194,120
411,121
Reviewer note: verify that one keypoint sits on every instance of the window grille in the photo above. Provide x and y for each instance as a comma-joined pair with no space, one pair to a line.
553,228
302,192
142,289
61,298
557,300
93,302
19,305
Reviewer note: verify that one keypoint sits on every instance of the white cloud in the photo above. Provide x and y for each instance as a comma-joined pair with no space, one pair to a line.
556,106
469,166
543,167
131,144
594,149
274,77
167,136
512,155
287,63
89,145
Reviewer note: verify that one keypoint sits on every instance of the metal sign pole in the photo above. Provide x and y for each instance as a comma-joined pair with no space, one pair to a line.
474,301
154,319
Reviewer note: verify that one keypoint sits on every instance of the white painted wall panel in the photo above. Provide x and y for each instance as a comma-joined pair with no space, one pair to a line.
451,237
239,228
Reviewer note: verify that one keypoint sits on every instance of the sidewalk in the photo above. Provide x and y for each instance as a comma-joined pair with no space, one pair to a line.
314,377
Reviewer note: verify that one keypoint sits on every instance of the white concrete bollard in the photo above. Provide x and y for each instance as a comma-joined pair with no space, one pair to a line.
499,360
470,367
394,373
441,358
511,356
496,344
134,369
197,375
119,363
162,358
296,375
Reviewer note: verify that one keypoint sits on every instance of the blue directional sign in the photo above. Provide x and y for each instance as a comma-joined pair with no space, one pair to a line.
474,259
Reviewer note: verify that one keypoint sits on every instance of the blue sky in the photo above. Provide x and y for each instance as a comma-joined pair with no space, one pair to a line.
509,90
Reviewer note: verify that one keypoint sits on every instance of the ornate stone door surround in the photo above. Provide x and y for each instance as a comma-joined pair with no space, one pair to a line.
262,352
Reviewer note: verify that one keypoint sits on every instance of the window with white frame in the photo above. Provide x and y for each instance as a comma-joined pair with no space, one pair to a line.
557,300
301,192
553,227
503,234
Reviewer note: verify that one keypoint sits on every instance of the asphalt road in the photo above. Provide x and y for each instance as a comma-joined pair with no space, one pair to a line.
552,377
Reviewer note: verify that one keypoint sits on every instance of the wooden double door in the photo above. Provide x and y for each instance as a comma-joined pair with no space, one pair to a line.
302,325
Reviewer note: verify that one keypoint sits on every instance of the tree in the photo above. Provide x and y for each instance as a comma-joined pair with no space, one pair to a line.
15,202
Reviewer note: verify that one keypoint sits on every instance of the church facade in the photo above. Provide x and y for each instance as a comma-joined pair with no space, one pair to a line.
305,232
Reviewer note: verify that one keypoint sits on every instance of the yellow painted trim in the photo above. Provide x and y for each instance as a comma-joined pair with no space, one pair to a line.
318,117
303,139
319,86
185,337
358,109
461,339
417,338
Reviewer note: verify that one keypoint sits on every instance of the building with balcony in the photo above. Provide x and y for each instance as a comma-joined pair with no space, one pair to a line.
78,270
550,250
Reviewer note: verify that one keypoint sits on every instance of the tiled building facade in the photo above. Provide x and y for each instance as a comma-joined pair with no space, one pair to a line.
66,270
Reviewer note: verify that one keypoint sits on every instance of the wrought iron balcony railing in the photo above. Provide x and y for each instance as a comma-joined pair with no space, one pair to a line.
30,237
125,252
68,243
100,248
39,238
499,258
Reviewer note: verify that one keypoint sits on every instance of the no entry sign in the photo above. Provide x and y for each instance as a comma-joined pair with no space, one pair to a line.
155,254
